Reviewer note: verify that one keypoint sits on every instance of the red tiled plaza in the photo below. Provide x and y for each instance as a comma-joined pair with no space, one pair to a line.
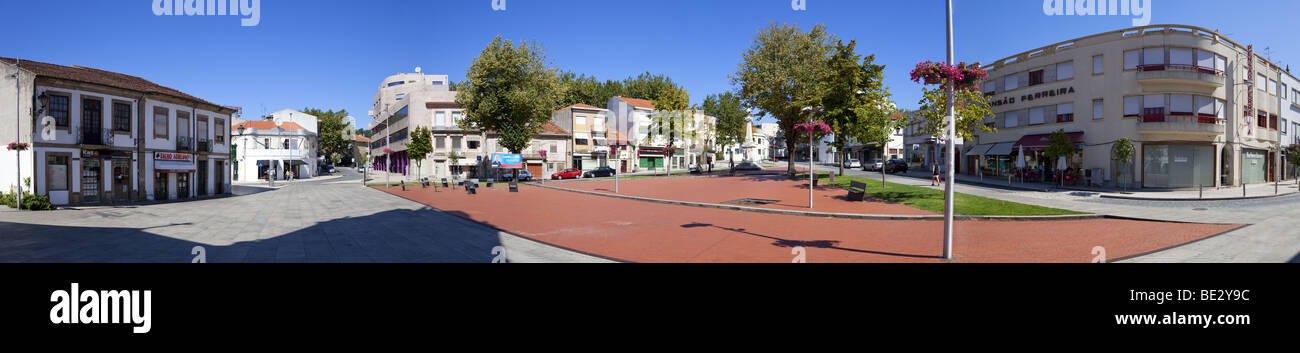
641,231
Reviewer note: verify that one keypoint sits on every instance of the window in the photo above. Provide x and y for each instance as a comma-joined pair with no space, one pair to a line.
398,83
473,145
1282,92
440,119
201,128
455,142
1153,105
1036,77
182,124
1181,104
579,120
1065,113
1272,87
56,172
1153,56
401,96
1013,118
1132,106
59,109
1261,82
580,142
436,83
1295,96
440,142
1205,59
160,118
1098,109
1205,107
1132,59
455,118
122,117
219,135
1012,83
1065,70
1282,126
1036,116
1182,56
1098,65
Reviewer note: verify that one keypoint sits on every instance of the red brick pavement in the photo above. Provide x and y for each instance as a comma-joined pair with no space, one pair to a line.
790,194
650,232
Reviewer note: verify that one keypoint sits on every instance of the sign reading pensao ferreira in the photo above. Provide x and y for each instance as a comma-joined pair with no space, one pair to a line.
508,161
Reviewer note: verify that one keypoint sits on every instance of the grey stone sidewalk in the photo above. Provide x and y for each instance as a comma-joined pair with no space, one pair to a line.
303,222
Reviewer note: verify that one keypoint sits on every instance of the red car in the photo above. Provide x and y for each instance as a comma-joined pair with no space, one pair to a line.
571,173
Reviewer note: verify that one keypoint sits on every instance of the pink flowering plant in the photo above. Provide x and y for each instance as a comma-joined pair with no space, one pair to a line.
17,146
964,76
816,127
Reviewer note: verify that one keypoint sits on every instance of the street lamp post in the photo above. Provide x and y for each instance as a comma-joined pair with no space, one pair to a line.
812,111
949,149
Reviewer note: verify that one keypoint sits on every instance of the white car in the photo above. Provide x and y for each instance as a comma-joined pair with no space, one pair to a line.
853,163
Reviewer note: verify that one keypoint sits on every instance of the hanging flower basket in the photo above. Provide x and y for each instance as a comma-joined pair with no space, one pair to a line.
17,146
670,150
964,76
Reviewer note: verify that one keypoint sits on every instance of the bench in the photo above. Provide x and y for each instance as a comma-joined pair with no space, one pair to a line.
857,191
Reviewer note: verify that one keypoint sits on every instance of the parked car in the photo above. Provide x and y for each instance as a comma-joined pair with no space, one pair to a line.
330,169
600,173
853,163
524,175
747,166
571,173
875,165
361,169
896,166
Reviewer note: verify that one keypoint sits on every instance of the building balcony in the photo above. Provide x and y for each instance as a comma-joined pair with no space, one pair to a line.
204,145
95,137
184,143
1180,74
1181,124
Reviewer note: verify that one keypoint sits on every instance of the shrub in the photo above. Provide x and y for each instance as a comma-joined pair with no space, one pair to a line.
30,201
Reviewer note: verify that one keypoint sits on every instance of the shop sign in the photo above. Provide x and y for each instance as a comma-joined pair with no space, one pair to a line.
1032,96
169,156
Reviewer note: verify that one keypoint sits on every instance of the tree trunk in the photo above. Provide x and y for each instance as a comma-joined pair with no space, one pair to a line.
789,153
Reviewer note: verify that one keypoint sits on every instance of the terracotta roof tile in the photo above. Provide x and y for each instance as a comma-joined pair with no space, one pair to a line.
360,138
267,125
579,105
551,128
101,77
639,103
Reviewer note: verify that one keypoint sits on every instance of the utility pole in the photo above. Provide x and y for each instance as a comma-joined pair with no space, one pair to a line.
18,131
949,148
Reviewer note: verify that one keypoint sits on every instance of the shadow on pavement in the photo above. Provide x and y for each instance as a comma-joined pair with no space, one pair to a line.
392,236
820,244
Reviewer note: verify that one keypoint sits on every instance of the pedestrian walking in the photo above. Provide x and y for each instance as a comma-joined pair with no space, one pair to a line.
934,174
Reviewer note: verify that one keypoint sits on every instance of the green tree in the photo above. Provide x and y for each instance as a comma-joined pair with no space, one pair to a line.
855,101
1293,156
729,110
419,147
780,75
672,108
1060,146
455,158
510,90
330,125
972,108
1122,153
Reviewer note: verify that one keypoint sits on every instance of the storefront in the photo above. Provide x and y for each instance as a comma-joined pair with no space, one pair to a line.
1177,165
650,157
1254,166
167,164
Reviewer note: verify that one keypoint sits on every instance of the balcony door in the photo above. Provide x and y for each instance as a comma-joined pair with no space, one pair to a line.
92,122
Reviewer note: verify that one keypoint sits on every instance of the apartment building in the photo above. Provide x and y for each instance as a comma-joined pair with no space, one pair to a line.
588,143
409,100
1289,125
630,118
105,137
1201,109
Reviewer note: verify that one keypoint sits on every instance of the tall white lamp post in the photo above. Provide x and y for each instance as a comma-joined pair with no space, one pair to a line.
812,111
949,148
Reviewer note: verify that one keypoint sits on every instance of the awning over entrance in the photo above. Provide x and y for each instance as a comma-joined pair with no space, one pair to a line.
1001,149
979,150
1039,142
174,167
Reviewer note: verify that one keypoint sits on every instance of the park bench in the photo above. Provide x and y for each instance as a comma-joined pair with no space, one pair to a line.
857,191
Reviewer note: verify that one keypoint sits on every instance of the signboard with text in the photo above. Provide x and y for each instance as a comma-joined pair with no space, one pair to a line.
508,161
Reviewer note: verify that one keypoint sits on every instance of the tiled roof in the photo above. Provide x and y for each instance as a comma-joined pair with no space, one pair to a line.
267,125
101,77
639,103
551,128
579,105
360,138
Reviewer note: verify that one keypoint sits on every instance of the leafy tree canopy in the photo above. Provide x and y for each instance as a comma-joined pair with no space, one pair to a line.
510,90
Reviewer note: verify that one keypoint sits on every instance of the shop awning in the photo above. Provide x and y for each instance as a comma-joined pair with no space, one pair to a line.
173,167
979,150
1001,149
1039,142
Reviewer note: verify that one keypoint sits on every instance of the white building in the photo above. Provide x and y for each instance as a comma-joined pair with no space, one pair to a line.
269,148
111,137
630,119
1289,93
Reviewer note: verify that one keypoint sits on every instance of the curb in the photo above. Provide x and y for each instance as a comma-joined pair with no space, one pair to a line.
837,215
1134,198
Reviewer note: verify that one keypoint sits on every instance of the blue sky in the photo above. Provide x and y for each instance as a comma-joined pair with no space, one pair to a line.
332,54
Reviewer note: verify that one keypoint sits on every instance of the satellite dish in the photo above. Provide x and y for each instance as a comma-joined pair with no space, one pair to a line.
417,69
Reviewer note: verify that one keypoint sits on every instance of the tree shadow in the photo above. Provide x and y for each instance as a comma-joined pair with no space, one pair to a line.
820,244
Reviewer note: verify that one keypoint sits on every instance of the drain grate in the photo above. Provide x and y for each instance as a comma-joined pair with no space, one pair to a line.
751,202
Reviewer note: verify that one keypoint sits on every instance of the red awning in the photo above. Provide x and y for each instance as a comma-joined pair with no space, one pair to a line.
1039,142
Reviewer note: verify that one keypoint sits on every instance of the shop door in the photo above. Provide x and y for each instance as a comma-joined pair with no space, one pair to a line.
121,179
90,180
160,187
203,178
536,170
1253,166
219,177
182,185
